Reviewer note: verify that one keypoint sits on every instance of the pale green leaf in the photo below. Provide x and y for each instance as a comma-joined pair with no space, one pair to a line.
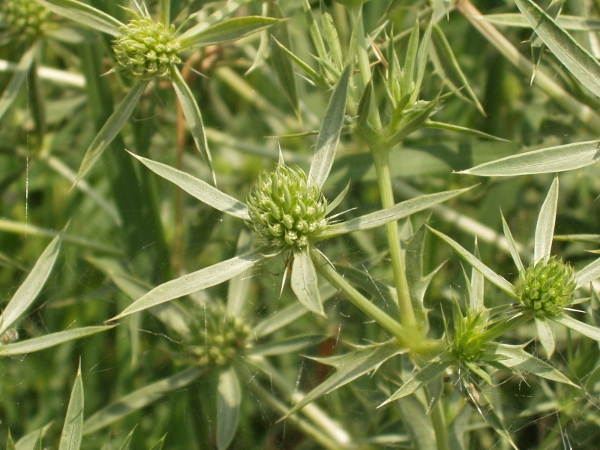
545,335
588,273
33,440
355,365
515,357
462,130
288,345
486,410
329,135
193,282
70,438
544,229
49,340
580,327
488,273
315,33
408,80
336,201
545,160
421,62
572,55
18,79
198,188
84,14
304,282
139,399
476,286
31,287
512,245
110,129
192,114
420,378
396,212
571,23
237,291
415,417
229,398
226,31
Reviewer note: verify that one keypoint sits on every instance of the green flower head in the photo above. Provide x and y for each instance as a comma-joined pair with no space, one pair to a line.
217,336
286,210
547,286
25,19
146,49
468,343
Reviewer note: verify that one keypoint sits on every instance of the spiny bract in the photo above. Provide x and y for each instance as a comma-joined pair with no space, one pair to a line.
146,49
286,210
546,287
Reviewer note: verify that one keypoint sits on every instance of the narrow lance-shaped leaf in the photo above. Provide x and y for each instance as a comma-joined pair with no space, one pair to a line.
478,265
32,285
571,23
545,335
191,111
512,245
193,282
421,378
17,80
304,282
139,399
545,160
476,286
356,364
229,398
110,129
198,188
408,80
396,212
49,340
226,31
237,291
544,230
588,273
421,62
84,14
575,58
486,410
580,327
71,435
127,442
329,135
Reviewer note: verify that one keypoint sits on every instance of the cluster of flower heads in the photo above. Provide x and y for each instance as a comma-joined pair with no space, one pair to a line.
286,209
146,49
217,336
25,19
547,287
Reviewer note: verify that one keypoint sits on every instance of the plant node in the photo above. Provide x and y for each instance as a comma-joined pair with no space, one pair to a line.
546,287
146,49
286,209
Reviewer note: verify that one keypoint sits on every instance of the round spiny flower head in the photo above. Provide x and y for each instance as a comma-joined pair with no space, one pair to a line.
217,336
25,19
146,49
468,343
286,209
546,287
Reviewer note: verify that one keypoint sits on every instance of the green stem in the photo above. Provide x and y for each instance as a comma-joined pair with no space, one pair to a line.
439,426
382,167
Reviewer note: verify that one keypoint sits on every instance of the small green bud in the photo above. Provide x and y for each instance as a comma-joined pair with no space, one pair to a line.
547,287
286,209
25,19
146,49
467,343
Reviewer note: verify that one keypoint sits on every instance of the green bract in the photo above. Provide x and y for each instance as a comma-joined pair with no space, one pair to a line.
469,342
217,336
25,19
286,209
146,49
546,287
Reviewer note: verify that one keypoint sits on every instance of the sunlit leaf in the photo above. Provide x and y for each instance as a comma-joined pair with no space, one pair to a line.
229,397
580,327
396,212
588,273
512,245
226,31
304,282
288,345
139,399
31,287
84,14
193,282
544,229
198,188
545,335
329,135
70,438
110,129
572,55
545,160
571,23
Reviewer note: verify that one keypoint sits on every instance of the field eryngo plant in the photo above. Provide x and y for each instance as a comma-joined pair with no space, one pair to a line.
331,273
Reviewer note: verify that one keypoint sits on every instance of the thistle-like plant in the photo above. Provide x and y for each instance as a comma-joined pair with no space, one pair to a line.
546,288
146,48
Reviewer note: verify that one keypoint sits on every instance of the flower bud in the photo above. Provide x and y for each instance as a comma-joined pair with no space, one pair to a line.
25,19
